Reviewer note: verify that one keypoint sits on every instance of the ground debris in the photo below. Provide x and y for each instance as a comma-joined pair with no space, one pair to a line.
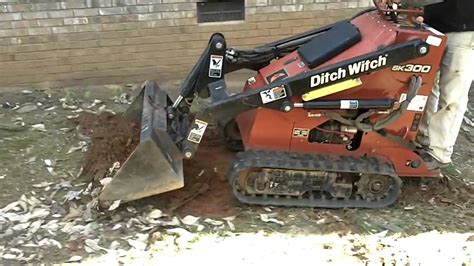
49,242
213,222
190,220
184,236
114,205
123,98
105,181
140,241
94,103
49,165
43,184
82,146
92,245
39,127
468,121
26,108
269,218
75,258
73,195
13,128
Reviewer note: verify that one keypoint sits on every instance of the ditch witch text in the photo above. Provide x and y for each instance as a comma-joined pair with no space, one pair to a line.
349,70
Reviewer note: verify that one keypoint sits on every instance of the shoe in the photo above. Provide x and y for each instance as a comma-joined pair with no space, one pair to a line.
451,171
422,141
431,162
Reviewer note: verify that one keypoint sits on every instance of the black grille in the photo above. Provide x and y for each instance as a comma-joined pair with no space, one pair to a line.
220,11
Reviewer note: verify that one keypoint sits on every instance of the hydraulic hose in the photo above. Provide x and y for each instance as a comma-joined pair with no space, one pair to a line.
415,84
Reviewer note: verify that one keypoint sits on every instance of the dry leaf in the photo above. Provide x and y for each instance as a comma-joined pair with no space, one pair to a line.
199,227
468,121
114,205
190,220
266,218
200,173
75,259
10,206
155,214
131,209
114,245
22,226
213,222
45,183
39,127
117,226
105,181
50,242
229,218
231,225
9,256
92,245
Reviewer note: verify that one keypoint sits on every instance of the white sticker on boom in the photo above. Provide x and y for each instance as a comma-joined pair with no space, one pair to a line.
417,103
215,66
273,94
434,41
195,135
349,104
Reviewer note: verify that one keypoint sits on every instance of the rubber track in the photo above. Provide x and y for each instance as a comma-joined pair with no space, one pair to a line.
312,162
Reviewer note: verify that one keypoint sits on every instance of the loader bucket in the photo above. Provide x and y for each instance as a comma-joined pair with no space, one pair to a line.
155,166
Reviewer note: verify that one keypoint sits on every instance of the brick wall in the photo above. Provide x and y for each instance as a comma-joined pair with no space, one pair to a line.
77,42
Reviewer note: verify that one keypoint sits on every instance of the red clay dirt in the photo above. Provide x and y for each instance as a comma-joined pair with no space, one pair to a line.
113,139
210,193
207,191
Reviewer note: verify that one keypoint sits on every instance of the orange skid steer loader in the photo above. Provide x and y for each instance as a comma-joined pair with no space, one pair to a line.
329,119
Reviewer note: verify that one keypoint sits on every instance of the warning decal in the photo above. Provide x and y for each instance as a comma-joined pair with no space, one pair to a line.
195,135
417,104
273,94
300,132
215,66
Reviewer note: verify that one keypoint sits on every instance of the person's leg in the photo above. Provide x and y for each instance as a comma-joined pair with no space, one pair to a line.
431,107
454,83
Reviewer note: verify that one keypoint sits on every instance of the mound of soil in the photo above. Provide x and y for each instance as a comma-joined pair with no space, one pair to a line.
113,139
206,190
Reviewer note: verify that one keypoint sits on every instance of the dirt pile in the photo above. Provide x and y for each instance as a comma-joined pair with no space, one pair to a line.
113,139
206,190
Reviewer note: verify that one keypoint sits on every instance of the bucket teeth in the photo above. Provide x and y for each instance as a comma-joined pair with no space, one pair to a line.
155,166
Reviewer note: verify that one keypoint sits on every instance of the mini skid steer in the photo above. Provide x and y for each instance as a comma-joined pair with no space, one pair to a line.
329,120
